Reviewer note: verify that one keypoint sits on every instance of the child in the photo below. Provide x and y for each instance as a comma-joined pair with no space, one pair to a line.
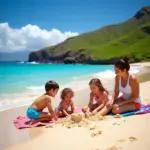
34,112
66,102
100,95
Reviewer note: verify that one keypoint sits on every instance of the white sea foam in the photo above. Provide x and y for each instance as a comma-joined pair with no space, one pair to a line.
33,62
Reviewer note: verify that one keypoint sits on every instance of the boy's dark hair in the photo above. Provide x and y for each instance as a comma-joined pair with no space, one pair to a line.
98,83
65,91
123,64
51,85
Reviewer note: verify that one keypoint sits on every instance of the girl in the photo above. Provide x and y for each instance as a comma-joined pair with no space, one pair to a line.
66,102
128,85
100,95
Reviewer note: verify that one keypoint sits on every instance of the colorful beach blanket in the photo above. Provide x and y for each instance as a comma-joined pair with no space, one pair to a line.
23,121
143,110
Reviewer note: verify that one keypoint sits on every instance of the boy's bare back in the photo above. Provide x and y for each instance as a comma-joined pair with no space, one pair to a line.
41,102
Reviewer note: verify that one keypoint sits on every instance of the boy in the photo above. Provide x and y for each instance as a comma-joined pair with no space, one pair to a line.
35,113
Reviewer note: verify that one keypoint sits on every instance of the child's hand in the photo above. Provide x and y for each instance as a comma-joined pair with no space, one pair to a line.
94,112
68,116
56,119
87,114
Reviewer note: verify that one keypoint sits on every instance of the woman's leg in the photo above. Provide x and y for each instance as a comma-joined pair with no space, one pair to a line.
124,108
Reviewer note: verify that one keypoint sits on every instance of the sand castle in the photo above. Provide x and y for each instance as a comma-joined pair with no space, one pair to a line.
76,117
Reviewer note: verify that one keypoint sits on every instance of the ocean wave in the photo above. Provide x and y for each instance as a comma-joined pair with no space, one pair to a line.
34,87
8,103
33,62
105,74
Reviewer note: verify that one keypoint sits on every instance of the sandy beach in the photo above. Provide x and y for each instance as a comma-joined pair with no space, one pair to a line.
126,133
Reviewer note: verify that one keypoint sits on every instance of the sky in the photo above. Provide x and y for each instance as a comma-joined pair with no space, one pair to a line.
28,25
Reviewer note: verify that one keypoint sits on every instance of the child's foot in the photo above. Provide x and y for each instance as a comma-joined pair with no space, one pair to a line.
101,118
33,121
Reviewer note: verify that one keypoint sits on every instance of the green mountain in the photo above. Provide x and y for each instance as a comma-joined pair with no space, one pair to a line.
104,45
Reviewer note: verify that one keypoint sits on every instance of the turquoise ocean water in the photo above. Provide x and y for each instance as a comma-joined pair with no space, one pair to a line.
20,82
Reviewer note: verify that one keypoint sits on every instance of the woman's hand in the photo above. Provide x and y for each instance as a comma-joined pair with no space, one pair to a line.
117,105
109,104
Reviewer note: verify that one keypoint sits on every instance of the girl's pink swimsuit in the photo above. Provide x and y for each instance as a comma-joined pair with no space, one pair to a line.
63,105
99,99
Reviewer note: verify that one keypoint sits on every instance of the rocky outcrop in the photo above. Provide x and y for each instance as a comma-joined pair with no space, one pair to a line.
142,12
65,57
69,58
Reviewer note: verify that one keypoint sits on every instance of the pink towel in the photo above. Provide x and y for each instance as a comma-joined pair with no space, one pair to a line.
23,121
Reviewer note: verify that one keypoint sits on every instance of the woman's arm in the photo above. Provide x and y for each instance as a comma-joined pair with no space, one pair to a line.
135,90
116,91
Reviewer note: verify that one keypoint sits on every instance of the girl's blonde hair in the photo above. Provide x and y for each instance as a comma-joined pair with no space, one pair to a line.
65,91
98,83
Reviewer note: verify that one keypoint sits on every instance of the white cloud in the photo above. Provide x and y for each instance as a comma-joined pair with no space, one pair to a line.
30,37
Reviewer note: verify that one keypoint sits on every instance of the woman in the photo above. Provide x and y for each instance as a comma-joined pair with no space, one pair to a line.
128,85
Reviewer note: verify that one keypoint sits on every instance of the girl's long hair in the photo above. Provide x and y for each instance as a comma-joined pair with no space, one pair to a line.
98,83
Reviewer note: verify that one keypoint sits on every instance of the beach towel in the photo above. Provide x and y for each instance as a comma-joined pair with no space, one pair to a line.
143,110
23,121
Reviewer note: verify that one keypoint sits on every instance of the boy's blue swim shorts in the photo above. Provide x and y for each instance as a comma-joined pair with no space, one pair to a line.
33,113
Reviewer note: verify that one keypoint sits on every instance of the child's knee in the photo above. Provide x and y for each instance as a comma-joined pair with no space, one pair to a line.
115,111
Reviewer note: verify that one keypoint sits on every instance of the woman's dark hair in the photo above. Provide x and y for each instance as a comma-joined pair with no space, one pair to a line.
98,83
51,85
123,64
65,91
